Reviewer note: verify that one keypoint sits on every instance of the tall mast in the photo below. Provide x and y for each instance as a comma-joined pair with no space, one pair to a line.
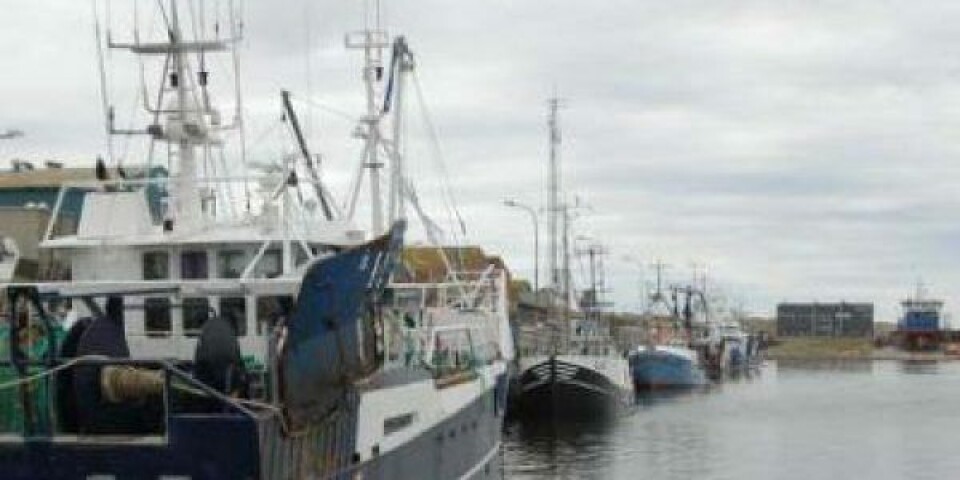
403,65
594,301
372,40
553,197
189,121
186,196
657,295
565,242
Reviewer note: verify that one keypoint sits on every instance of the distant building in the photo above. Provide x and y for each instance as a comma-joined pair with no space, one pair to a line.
37,188
825,320
28,195
26,186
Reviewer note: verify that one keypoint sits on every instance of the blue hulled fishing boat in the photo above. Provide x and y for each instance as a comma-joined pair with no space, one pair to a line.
664,367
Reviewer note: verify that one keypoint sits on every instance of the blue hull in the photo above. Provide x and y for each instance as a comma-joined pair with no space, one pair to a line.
204,447
660,370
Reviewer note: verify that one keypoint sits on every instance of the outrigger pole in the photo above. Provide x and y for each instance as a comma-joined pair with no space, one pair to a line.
307,157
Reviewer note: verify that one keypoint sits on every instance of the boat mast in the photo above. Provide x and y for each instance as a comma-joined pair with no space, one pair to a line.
553,195
565,270
189,120
658,295
592,253
186,198
593,303
372,40
401,66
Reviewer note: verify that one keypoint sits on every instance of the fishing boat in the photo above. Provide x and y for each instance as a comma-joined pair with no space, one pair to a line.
577,376
587,381
575,372
193,335
739,346
666,361
658,367
725,349
921,325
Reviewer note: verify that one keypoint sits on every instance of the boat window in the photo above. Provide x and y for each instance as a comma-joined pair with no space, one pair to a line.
453,352
193,265
156,266
156,317
397,423
230,263
270,309
234,310
270,264
195,313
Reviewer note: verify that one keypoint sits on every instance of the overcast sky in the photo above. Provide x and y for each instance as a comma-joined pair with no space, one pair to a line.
800,150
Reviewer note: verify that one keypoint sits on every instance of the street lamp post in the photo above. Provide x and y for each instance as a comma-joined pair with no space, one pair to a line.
536,242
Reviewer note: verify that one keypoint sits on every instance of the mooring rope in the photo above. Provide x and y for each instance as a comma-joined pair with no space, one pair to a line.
50,371
182,388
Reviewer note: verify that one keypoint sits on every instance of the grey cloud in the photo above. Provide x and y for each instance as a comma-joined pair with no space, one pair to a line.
802,150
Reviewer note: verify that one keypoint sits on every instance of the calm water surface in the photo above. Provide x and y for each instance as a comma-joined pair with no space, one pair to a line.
861,420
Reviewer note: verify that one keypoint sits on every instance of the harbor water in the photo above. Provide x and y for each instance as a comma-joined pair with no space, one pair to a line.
794,420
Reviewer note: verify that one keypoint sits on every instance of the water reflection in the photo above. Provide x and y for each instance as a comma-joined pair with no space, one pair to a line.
837,419
746,374
921,367
656,397
556,449
855,365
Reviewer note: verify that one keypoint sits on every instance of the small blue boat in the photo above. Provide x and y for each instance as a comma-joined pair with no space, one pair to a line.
664,367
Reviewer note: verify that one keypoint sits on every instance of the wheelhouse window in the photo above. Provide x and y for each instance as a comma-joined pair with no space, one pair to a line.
156,266
270,264
193,265
156,317
453,352
270,310
230,263
195,313
234,310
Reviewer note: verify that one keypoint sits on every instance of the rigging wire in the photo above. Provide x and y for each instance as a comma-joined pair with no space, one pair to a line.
158,105
107,114
308,126
238,112
152,145
314,104
350,202
228,195
438,157
267,131
198,23
166,19
192,7
125,148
